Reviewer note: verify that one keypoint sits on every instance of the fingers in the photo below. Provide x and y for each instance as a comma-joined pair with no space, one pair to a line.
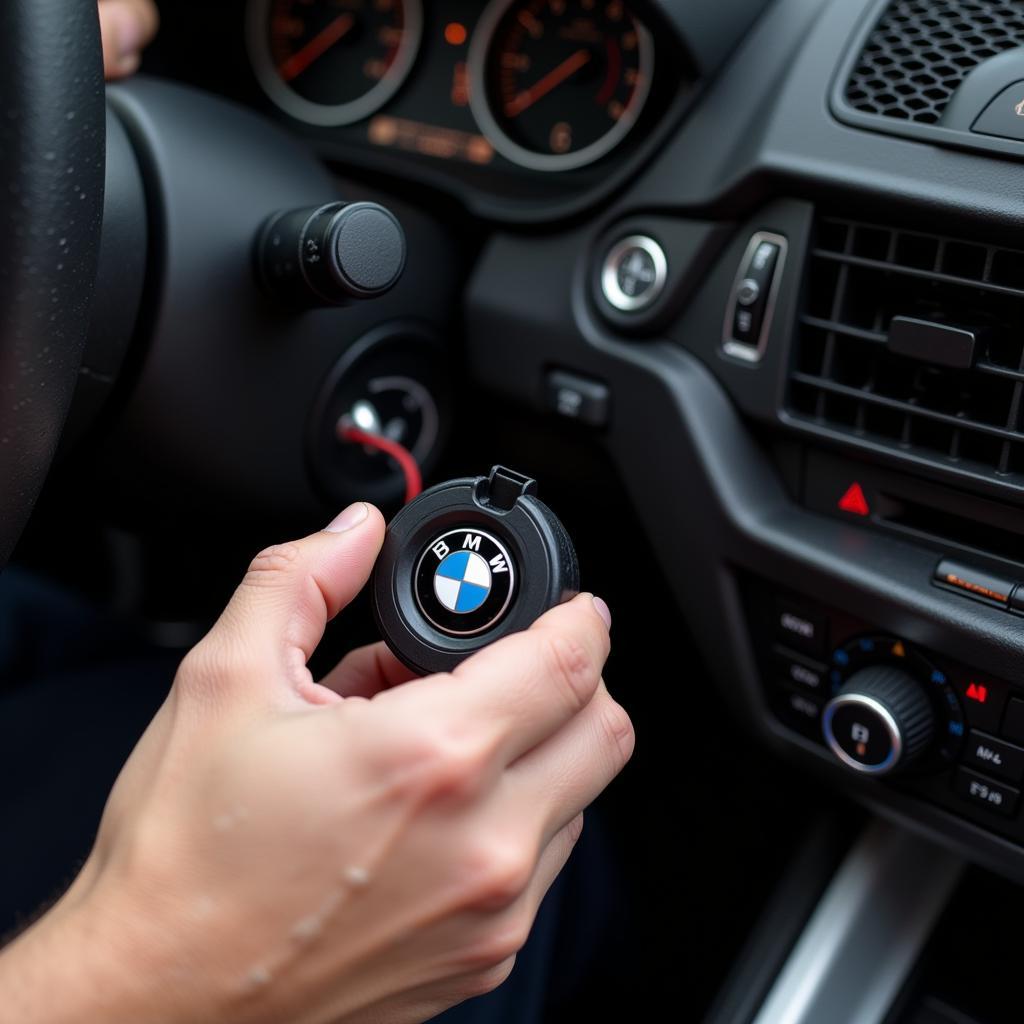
525,687
366,671
127,26
278,614
569,771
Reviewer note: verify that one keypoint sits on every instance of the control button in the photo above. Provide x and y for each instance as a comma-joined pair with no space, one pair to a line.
993,796
799,628
802,672
577,398
1017,600
880,720
750,311
634,273
743,328
976,583
1013,724
330,255
983,700
749,292
800,711
994,756
1004,116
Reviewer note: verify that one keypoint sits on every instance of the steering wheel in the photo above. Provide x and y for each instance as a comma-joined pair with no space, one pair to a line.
52,157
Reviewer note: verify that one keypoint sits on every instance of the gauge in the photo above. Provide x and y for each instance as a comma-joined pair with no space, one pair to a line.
332,62
557,84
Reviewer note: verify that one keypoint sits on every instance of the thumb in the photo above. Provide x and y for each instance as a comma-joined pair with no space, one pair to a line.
278,614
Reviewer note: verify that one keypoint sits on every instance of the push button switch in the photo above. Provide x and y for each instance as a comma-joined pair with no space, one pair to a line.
982,698
992,796
634,274
801,672
799,628
750,308
577,398
993,756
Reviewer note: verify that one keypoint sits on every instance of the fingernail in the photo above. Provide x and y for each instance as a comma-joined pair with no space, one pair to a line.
604,611
349,519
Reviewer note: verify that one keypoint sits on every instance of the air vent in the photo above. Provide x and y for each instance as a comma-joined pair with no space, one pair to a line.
921,50
847,379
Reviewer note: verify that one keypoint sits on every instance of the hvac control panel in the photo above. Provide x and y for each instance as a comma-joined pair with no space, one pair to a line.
892,711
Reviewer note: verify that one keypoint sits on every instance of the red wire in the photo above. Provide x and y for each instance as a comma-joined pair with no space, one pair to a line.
401,455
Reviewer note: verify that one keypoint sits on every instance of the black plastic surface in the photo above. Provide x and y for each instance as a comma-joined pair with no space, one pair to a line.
711,36
931,342
223,371
544,560
1004,116
51,207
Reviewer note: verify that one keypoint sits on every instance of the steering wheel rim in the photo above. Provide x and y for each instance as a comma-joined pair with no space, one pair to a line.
52,162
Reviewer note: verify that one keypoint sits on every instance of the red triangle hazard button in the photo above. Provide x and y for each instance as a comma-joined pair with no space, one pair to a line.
854,502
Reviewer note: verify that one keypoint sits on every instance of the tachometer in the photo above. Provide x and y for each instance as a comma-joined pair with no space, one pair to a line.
557,84
332,62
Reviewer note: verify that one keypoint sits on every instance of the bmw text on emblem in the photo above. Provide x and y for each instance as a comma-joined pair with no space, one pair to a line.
464,581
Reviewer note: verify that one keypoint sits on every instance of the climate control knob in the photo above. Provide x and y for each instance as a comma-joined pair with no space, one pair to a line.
879,721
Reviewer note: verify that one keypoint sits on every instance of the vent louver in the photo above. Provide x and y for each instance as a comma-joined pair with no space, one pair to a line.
921,50
846,379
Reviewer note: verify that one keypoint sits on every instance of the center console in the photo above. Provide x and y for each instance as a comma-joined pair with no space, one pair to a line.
931,727
816,405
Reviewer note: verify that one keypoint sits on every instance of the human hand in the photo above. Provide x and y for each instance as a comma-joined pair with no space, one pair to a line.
127,26
356,850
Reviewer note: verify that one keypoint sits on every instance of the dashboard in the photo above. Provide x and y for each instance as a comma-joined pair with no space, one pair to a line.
766,258
515,103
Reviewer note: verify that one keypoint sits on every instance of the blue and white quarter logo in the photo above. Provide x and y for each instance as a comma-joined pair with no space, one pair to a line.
464,581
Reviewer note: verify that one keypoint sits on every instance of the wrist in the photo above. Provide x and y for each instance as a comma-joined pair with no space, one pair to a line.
86,959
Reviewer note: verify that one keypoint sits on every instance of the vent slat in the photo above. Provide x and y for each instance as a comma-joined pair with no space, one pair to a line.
925,275
870,398
845,379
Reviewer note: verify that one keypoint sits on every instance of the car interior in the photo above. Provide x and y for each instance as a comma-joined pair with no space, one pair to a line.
740,284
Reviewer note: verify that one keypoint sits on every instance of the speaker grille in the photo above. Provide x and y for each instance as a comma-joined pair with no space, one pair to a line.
921,50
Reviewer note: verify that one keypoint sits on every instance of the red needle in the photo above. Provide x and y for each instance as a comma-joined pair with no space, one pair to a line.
555,77
316,47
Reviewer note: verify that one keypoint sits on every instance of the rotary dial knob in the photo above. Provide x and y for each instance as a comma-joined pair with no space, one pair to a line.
879,721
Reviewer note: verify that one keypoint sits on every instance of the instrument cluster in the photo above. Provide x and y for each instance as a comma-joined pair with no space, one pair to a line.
548,87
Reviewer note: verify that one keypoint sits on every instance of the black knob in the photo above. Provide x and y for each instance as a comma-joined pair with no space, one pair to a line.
879,721
330,255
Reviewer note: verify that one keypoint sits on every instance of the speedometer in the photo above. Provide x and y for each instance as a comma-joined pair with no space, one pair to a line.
557,84
332,62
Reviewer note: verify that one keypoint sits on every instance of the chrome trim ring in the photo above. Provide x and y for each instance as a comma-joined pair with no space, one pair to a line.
612,290
895,736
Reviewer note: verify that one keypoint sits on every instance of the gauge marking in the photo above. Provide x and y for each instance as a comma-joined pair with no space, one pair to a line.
555,77
316,47
558,84
332,67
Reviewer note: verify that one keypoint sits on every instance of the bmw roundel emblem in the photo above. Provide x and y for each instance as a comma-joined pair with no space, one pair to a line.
464,581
